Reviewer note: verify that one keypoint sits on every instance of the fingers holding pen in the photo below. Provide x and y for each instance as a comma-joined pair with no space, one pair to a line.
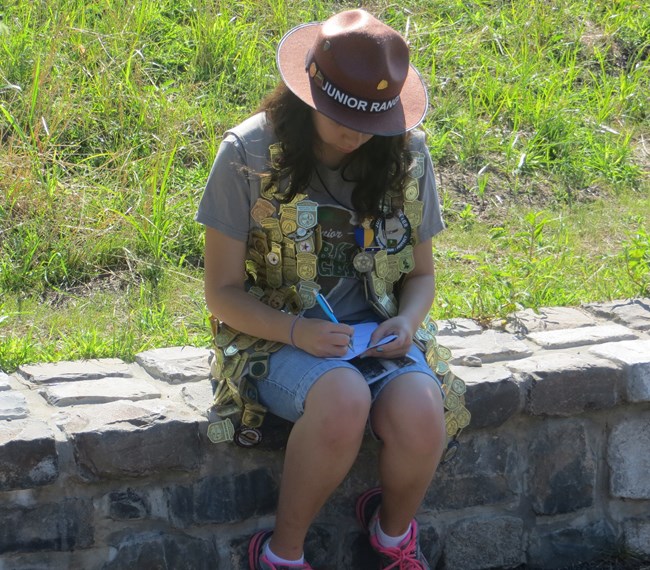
322,338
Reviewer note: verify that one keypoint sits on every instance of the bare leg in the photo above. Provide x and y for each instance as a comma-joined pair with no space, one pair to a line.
322,447
408,416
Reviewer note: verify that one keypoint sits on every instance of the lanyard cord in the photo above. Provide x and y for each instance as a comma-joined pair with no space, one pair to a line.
322,182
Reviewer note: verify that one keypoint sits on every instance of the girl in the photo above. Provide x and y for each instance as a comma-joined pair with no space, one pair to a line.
324,196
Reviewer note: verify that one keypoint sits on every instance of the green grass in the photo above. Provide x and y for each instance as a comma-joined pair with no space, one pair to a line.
111,113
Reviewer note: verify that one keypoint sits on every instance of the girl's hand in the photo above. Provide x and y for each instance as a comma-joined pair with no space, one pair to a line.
322,338
396,348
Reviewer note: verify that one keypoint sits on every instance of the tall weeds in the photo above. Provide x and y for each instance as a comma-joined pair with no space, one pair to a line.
111,113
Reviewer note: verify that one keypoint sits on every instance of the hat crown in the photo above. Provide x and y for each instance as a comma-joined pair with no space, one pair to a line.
361,55
354,69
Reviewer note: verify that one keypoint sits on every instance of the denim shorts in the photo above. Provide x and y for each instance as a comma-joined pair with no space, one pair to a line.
292,373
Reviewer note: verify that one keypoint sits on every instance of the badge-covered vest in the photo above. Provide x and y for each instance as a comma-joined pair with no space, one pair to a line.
281,268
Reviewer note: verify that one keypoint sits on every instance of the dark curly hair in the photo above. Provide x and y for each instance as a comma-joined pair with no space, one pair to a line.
381,164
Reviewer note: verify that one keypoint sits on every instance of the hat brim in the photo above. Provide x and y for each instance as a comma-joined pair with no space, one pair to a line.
408,113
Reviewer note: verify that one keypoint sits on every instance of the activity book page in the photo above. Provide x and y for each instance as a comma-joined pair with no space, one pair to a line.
372,368
361,340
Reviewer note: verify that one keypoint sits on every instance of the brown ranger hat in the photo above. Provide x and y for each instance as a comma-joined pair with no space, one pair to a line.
355,70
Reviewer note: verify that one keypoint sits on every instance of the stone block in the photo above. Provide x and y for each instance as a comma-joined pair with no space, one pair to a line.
482,473
628,456
120,439
356,552
562,468
568,338
492,395
176,364
98,391
489,346
634,356
548,319
55,372
13,405
198,396
482,542
563,384
223,499
160,551
128,504
275,433
560,545
4,382
51,526
633,313
458,327
322,546
637,537
28,455
86,559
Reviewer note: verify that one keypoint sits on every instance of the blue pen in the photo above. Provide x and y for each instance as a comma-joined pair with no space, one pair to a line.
322,301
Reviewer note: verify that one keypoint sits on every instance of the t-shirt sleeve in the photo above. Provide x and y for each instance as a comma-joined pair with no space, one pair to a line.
432,222
225,205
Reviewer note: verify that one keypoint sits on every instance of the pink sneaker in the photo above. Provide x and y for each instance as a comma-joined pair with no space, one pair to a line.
406,556
257,560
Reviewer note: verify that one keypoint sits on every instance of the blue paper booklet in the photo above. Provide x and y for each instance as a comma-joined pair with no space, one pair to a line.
372,368
361,340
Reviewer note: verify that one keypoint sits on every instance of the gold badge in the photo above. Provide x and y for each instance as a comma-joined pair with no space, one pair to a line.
270,192
389,303
451,423
276,299
306,266
221,431
256,292
216,365
275,152
413,211
307,214
381,263
406,259
225,335
363,262
452,402
290,270
463,417
288,226
378,285
417,166
258,364
257,240
307,290
293,301
230,365
411,190
262,209
272,228
393,273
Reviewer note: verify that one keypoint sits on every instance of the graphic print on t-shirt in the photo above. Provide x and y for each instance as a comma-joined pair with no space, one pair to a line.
335,258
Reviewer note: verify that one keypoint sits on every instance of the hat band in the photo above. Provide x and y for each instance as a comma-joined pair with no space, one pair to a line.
346,99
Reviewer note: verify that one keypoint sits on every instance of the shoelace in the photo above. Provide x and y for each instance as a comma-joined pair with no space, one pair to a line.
404,558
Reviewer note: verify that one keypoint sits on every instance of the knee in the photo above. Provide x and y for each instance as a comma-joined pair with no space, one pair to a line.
341,411
418,428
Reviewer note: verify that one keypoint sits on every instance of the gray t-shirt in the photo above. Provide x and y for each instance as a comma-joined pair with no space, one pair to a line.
233,188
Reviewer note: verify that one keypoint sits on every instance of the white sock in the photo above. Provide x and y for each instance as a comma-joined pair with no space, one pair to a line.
274,559
388,541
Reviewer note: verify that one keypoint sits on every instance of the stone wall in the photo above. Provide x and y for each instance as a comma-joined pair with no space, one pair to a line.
105,465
